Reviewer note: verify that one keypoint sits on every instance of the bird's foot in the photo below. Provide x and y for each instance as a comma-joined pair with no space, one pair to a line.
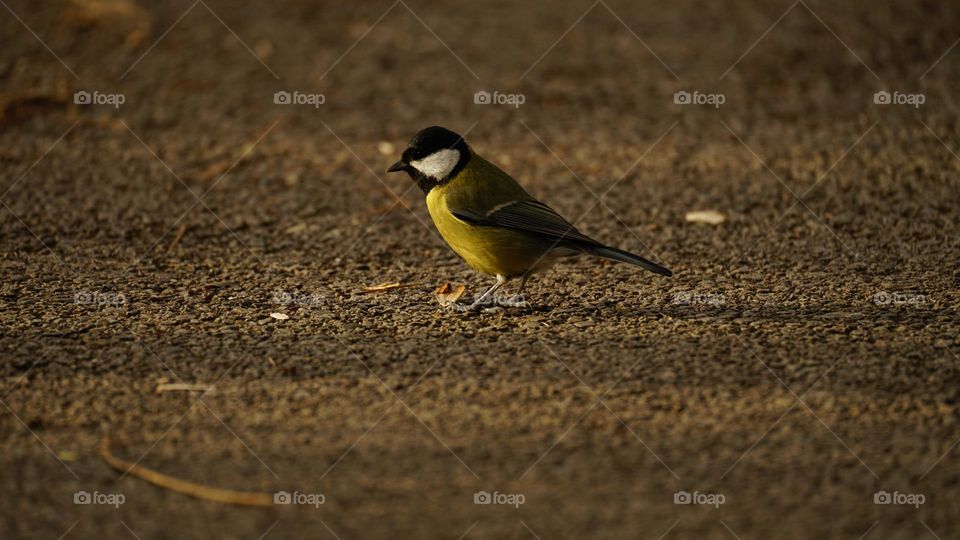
477,305
493,304
515,301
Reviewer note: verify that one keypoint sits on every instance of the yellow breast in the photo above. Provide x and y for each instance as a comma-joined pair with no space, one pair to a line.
490,250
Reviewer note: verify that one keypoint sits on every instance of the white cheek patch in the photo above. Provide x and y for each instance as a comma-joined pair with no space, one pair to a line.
439,164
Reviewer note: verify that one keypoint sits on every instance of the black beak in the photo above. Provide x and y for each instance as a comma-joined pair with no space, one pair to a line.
398,166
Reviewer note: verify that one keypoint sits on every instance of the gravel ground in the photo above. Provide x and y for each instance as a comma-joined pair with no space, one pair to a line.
802,361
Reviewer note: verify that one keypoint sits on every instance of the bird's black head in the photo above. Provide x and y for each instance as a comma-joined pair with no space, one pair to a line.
434,156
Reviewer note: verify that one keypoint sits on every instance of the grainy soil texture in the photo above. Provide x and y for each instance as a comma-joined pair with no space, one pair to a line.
193,203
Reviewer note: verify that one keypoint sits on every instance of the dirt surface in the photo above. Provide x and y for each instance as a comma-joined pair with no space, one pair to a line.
802,360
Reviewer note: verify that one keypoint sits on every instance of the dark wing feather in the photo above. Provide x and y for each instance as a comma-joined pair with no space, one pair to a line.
528,216
534,217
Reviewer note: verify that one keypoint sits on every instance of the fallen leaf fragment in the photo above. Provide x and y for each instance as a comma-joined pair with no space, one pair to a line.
199,491
176,239
280,316
178,387
22,380
12,102
448,294
386,286
386,148
263,49
214,170
218,169
296,229
711,217
126,15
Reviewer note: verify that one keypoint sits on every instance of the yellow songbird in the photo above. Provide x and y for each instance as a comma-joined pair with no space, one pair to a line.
489,220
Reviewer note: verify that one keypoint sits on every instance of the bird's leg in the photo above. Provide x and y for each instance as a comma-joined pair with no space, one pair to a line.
523,281
517,299
482,300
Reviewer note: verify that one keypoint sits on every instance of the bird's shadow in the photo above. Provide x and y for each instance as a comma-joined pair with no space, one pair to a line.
769,313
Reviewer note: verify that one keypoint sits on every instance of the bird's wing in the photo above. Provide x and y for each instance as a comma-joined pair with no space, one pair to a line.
528,216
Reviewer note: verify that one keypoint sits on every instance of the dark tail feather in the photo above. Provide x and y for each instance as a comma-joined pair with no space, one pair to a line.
624,256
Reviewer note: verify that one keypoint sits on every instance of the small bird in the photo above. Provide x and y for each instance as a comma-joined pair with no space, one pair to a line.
490,221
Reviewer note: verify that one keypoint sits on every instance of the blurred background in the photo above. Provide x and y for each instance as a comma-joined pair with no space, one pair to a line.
204,261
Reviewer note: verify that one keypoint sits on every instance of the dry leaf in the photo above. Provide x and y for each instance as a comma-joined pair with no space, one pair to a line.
386,286
174,387
12,102
193,489
217,169
706,216
386,148
126,15
296,229
263,49
176,239
448,294
214,170
280,316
